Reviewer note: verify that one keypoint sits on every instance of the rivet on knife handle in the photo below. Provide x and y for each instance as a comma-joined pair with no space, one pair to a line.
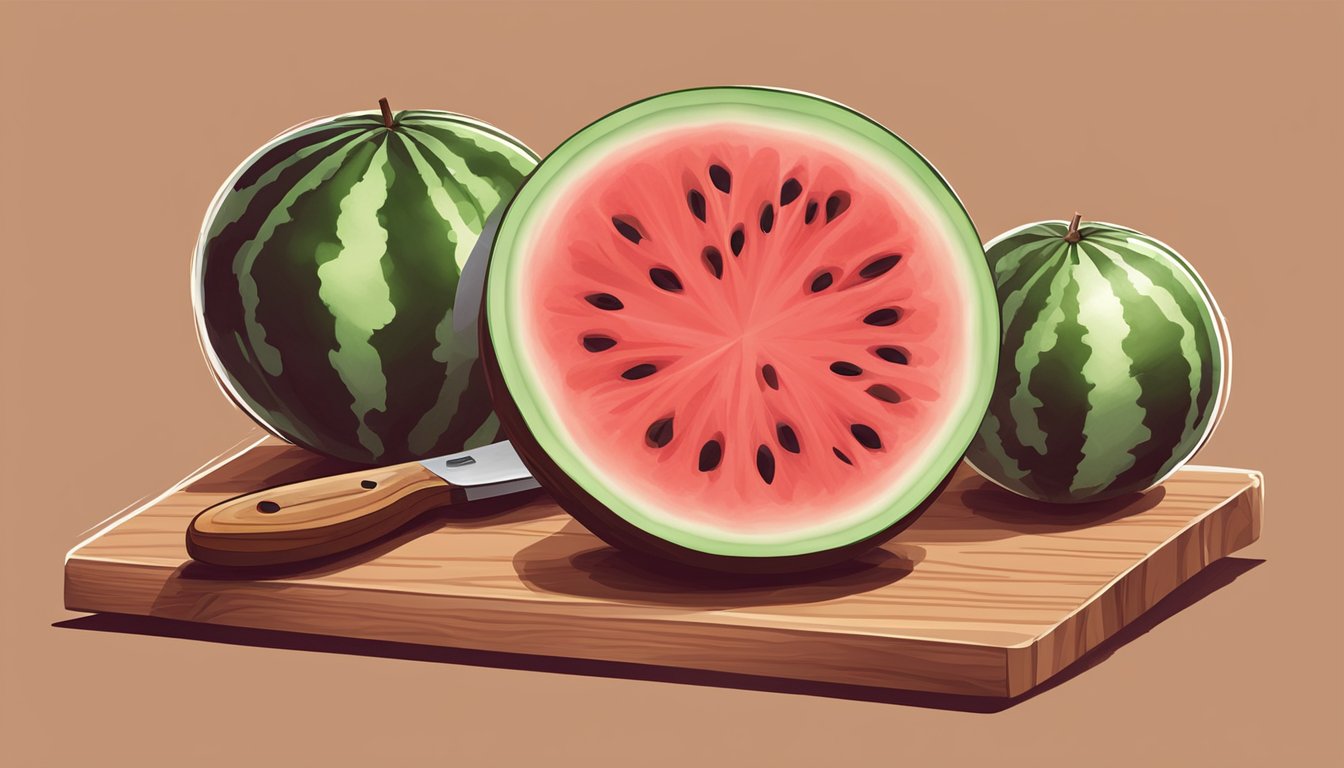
314,518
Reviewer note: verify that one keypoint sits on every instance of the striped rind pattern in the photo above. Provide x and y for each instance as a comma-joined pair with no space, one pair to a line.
1114,367
325,280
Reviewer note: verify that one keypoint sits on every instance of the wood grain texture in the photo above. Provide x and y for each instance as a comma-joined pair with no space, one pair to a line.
986,594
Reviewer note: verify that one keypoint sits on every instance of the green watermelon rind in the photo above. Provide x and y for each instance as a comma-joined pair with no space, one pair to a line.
1057,228
272,419
850,130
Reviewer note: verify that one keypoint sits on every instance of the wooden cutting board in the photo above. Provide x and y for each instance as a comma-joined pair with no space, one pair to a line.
986,594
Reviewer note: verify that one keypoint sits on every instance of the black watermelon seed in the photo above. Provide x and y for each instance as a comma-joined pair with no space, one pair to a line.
714,261
697,203
595,343
879,266
771,377
788,439
866,436
267,507
765,464
789,192
842,368
836,204
767,218
665,279
884,393
822,282
811,212
894,355
659,433
841,456
737,240
640,371
628,230
722,179
604,301
882,317
711,454
368,484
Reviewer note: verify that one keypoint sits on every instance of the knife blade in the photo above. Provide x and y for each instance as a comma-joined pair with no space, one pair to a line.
328,515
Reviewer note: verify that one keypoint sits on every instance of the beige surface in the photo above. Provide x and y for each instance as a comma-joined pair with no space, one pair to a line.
1215,127
985,595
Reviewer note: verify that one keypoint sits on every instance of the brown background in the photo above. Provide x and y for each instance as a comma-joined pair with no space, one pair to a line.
1215,127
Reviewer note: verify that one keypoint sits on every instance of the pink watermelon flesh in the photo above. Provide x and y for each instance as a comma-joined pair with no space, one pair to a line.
763,344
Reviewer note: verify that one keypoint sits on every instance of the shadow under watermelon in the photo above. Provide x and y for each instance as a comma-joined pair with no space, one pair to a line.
573,562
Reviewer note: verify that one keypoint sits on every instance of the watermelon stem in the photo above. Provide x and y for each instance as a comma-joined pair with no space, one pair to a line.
1073,236
387,112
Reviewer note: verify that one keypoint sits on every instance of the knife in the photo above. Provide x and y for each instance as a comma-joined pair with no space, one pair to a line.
328,515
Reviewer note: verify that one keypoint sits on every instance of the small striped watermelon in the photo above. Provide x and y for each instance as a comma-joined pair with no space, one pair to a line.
325,279
1115,363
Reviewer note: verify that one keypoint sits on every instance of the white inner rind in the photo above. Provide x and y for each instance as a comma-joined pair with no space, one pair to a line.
512,318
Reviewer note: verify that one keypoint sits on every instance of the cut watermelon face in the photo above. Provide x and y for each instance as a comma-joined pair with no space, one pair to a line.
740,328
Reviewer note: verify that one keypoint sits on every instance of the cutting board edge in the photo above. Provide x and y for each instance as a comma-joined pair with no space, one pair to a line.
1252,494
254,438
1131,594
163,572
835,658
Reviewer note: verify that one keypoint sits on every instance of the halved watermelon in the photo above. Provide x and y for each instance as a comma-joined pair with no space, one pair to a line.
740,329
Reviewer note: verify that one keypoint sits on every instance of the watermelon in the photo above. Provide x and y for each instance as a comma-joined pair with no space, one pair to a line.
326,275
739,329
1115,364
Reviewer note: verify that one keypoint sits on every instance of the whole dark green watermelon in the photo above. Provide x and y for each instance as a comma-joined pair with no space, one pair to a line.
326,274
1115,363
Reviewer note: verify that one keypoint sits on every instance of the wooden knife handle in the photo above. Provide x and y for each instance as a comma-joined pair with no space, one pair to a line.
314,518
